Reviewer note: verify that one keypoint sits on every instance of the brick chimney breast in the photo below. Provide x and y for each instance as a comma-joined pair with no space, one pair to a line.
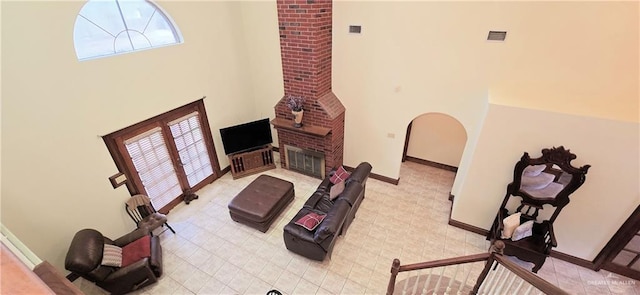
305,46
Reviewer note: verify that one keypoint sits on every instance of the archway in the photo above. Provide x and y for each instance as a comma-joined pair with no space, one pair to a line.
435,139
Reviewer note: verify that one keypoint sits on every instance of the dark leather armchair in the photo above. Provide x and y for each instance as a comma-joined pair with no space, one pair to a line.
84,258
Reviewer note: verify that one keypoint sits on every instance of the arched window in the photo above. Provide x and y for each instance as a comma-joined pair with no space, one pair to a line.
112,27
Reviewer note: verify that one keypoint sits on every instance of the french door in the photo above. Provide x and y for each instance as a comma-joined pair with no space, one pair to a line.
622,253
167,155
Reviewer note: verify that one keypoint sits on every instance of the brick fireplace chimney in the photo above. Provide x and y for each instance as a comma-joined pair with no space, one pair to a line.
305,46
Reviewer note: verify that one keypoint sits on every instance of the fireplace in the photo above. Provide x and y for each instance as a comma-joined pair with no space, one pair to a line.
305,161
305,46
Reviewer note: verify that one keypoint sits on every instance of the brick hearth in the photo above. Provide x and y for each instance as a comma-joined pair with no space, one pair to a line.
305,45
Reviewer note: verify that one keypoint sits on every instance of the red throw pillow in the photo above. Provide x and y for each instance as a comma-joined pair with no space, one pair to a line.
339,175
310,221
136,250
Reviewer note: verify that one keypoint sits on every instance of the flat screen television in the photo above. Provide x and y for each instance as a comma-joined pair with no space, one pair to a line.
246,136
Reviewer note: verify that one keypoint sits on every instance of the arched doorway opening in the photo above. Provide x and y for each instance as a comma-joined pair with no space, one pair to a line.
435,139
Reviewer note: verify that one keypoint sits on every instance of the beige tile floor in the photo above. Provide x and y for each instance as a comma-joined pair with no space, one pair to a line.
211,254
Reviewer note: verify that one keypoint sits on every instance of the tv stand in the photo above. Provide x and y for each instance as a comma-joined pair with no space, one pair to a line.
251,162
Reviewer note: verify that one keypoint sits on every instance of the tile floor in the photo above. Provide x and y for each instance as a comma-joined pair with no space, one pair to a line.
211,254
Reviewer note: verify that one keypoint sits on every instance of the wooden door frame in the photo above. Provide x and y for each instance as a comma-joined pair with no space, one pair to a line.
135,187
207,138
406,142
619,240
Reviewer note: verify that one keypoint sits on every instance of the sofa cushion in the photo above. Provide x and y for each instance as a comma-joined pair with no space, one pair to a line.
339,175
310,221
313,200
324,204
111,256
324,186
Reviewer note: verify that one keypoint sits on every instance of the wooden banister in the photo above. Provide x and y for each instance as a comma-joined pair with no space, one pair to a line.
395,268
444,262
496,272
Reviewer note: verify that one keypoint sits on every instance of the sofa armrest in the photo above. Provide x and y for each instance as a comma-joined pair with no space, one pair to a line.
360,174
132,236
156,256
297,231
352,193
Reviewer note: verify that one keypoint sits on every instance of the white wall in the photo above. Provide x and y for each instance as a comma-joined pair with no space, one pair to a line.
597,209
55,166
420,57
576,62
262,43
437,138
577,57
411,58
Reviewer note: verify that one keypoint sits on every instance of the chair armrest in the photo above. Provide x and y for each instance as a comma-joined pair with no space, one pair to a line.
496,229
132,236
551,242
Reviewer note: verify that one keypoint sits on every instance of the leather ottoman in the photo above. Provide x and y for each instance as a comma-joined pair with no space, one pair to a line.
260,203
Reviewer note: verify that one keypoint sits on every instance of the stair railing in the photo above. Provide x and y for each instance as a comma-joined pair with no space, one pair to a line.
498,275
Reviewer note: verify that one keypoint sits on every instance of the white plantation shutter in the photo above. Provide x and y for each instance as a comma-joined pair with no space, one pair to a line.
191,147
151,159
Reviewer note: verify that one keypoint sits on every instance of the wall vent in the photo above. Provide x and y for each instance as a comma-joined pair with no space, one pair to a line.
497,35
355,29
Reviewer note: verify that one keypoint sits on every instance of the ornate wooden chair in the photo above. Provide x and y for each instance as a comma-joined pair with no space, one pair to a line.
539,191
141,210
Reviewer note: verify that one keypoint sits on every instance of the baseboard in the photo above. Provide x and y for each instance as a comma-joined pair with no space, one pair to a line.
385,179
378,177
431,163
468,227
572,259
465,226
225,170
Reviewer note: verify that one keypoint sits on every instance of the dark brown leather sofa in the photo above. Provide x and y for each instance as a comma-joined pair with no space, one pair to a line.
340,213
84,258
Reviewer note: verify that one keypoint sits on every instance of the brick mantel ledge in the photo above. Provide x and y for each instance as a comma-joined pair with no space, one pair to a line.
319,131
